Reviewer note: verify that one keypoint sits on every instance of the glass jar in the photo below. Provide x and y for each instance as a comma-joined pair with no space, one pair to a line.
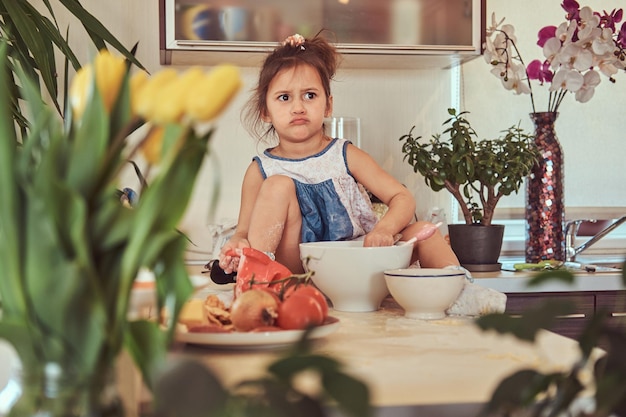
52,391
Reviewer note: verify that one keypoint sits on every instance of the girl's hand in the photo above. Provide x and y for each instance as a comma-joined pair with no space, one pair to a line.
230,253
375,238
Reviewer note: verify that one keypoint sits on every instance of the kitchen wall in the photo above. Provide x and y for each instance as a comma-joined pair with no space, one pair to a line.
390,101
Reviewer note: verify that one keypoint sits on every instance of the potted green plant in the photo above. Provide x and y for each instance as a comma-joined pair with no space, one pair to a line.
477,173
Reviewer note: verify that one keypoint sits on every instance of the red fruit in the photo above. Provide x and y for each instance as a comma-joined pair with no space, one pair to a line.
310,291
256,265
298,312
254,308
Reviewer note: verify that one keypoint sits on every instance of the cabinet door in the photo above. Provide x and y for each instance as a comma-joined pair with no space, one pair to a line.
570,325
613,306
438,32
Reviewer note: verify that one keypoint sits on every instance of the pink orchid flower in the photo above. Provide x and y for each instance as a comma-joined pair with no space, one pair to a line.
540,71
544,34
571,7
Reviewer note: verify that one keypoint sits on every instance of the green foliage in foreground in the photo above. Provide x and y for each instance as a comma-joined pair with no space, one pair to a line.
555,394
190,389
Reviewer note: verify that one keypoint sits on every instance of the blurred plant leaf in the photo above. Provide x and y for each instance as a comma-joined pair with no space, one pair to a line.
187,388
145,341
542,277
526,326
99,34
593,332
350,394
555,394
34,38
610,374
269,397
13,301
516,391
33,43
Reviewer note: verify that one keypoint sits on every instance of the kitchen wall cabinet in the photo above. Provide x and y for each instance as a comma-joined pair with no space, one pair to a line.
369,33
611,304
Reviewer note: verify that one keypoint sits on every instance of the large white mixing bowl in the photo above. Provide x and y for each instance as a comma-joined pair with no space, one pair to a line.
351,275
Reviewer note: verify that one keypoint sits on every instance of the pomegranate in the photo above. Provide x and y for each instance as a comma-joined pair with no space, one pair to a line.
254,308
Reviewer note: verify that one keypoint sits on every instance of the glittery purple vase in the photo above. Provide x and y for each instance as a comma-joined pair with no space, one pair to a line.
545,206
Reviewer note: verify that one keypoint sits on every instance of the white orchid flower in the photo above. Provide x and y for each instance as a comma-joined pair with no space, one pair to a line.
567,79
580,50
510,32
490,51
603,43
575,57
565,31
499,70
607,65
591,80
550,50
516,79
494,24
588,22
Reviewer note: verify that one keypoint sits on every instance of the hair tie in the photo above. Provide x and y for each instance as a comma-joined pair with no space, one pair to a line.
295,41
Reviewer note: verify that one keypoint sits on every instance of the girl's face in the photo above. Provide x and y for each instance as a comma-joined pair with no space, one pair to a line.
296,104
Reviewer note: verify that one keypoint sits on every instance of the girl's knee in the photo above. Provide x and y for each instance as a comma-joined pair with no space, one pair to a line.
279,186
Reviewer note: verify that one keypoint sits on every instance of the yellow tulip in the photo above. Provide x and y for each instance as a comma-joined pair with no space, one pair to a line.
110,72
170,101
146,95
211,96
136,83
81,90
151,148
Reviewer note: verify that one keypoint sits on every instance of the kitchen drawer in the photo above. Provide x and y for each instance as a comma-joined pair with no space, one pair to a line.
570,325
612,304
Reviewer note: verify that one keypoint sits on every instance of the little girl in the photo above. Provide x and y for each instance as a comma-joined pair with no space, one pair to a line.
310,187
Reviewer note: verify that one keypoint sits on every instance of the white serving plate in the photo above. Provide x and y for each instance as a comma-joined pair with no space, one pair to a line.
256,340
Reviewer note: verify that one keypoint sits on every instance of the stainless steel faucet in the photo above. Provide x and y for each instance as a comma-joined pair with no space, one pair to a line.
571,230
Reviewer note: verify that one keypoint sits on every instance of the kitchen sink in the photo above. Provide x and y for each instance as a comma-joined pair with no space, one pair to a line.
608,262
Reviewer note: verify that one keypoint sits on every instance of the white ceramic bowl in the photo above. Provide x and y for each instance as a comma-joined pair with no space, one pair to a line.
351,275
425,293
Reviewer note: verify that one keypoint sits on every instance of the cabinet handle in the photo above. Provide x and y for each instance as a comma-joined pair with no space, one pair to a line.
572,316
618,314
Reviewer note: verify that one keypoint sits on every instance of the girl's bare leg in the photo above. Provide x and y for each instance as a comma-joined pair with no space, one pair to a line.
433,252
276,222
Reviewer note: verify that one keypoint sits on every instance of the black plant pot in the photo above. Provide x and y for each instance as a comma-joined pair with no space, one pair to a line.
477,247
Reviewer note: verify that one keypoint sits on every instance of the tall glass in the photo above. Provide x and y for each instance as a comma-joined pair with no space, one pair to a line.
344,127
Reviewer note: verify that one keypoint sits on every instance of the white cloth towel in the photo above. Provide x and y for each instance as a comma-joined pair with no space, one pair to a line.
476,300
